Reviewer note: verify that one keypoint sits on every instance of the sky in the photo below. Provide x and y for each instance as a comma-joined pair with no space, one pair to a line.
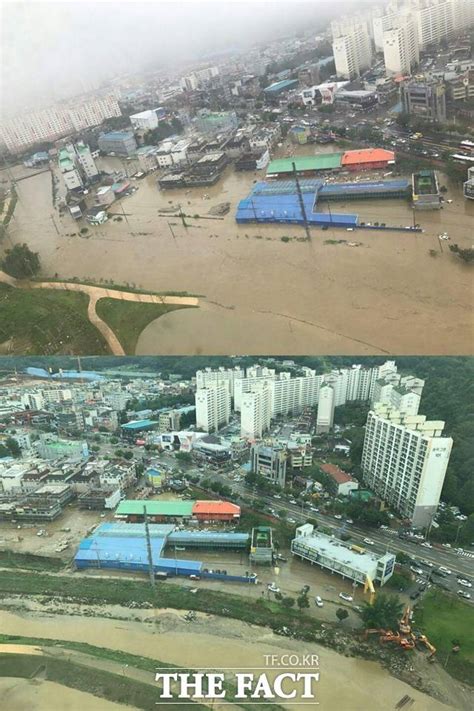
50,50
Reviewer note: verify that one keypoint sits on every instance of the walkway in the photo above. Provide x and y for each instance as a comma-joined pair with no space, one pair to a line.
95,293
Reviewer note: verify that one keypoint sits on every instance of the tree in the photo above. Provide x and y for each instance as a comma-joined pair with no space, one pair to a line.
467,255
20,262
288,602
302,601
128,454
13,447
341,614
184,457
384,613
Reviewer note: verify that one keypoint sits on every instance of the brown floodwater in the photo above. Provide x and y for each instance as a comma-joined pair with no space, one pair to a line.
261,294
346,683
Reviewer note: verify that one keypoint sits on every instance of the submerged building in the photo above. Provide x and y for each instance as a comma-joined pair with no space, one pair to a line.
425,190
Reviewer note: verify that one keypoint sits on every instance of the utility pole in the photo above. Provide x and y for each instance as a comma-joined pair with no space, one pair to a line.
301,201
148,548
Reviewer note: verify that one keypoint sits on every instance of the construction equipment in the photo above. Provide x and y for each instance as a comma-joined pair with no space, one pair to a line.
369,586
424,640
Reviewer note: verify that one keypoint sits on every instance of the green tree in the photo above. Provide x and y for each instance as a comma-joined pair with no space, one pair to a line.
302,601
20,262
288,602
384,613
128,454
467,255
13,447
184,457
341,614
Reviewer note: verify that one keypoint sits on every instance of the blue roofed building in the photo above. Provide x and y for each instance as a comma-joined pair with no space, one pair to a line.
122,143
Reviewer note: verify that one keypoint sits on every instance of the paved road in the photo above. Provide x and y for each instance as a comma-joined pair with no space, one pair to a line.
95,293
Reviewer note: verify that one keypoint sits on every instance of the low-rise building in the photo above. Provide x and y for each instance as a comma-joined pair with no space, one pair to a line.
348,561
269,462
344,483
122,143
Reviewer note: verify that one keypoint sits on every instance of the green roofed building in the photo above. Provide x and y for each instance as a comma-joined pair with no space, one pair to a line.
157,511
305,165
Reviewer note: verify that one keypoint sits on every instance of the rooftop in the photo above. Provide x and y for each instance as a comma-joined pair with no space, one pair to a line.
335,473
367,155
338,551
216,507
135,507
322,161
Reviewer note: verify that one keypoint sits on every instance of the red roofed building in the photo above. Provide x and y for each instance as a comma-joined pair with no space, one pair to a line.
367,159
215,511
345,482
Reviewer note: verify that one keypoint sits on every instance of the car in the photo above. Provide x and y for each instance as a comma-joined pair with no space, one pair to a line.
276,496
291,520
338,516
446,545
443,236
442,569
346,597
292,501
416,570
318,601
349,229
464,582
425,544
369,542
427,562
271,587
464,594
349,520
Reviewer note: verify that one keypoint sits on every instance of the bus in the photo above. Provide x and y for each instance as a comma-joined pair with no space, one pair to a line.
462,158
467,146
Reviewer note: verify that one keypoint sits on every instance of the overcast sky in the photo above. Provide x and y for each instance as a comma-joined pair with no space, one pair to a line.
58,48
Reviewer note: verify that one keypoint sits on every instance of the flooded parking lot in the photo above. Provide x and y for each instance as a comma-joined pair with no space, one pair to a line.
319,296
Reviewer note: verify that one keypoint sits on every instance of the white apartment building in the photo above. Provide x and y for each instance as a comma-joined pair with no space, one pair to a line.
401,393
256,410
404,461
32,401
223,376
325,415
400,46
55,122
212,407
69,171
352,47
85,160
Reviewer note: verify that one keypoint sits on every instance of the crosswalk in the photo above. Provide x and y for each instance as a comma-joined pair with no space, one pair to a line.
466,554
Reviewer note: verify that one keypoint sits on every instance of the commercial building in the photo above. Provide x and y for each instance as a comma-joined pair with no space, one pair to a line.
122,143
468,187
216,511
55,122
404,461
147,120
269,462
367,159
169,421
305,165
69,171
425,190
279,87
216,121
360,99
100,499
348,561
261,546
344,483
51,447
212,407
425,99
325,415
132,511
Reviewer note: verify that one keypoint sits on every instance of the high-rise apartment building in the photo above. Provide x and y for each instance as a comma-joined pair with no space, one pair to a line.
325,415
352,46
85,160
400,46
404,461
212,407
55,122
219,375
256,410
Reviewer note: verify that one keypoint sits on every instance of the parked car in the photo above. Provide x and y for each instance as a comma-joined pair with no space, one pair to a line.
416,570
425,544
346,597
463,594
338,516
273,588
318,601
464,582
369,542
445,570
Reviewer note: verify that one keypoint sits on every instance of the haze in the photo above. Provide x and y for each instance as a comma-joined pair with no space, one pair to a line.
52,50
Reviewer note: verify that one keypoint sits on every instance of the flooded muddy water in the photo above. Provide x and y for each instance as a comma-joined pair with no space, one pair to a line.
346,683
40,695
262,294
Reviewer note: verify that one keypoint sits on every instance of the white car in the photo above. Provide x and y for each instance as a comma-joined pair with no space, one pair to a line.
465,583
445,570
463,594
338,516
291,520
443,236
273,588
369,542
318,601
425,544
417,571
346,597
276,496
349,520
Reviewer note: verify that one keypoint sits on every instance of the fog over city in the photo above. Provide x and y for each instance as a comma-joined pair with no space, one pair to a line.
52,50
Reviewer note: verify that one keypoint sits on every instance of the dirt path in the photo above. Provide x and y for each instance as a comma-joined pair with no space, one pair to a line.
95,293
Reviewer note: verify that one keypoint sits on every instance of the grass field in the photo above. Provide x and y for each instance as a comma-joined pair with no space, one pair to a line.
445,620
47,323
29,561
128,318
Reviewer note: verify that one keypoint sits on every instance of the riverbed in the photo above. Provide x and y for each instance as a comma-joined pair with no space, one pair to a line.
346,683
395,292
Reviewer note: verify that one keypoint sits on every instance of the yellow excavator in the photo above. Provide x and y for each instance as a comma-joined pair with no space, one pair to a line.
404,637
369,587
